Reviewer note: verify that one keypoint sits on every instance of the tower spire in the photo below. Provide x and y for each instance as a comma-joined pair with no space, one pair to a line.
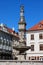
22,18
22,10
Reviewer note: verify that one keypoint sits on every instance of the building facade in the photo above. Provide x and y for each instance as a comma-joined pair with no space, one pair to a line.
8,38
34,38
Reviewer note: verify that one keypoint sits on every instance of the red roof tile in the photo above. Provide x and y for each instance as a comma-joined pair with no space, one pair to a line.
38,26
11,32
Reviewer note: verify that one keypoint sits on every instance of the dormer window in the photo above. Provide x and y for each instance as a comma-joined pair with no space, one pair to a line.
40,25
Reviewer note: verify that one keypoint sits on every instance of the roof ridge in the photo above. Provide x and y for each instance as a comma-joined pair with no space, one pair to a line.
36,26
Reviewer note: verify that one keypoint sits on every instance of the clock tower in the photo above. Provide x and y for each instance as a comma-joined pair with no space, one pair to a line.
22,27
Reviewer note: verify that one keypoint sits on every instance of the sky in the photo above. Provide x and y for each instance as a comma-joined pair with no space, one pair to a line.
10,12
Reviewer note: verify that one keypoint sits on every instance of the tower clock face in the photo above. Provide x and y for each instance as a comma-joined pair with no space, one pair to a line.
22,26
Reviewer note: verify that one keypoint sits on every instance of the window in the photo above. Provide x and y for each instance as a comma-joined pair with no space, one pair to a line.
4,42
40,36
29,58
32,47
41,57
33,58
1,40
1,43
7,42
41,46
32,37
37,57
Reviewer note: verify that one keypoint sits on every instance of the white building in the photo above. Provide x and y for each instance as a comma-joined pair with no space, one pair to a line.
34,37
